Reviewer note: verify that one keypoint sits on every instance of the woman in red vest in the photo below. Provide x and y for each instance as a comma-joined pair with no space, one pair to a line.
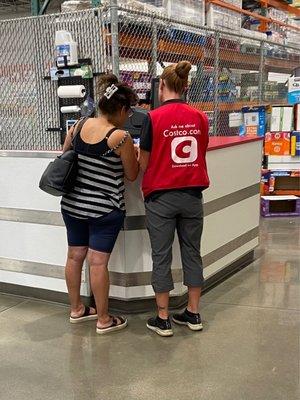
173,147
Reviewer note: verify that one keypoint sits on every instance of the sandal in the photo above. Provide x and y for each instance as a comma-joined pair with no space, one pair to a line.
86,316
115,326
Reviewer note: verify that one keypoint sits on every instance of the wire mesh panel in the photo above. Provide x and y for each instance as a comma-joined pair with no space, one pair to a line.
230,71
148,43
28,101
231,74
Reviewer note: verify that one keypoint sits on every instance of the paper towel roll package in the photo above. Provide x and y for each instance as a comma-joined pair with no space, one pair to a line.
70,109
71,91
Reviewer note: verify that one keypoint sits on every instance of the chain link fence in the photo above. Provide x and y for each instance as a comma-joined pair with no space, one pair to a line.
29,108
230,70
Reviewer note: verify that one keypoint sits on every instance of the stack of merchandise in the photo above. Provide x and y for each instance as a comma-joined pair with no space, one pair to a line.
75,5
223,19
253,40
192,11
203,88
141,5
226,87
249,86
156,3
278,32
280,186
274,90
278,139
292,37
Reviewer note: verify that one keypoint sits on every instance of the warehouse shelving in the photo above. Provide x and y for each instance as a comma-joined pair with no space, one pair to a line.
263,20
237,105
140,47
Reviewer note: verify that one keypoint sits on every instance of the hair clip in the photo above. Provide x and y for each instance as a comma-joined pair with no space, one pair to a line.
110,91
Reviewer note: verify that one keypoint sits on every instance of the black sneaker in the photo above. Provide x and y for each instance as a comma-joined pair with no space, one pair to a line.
193,321
161,326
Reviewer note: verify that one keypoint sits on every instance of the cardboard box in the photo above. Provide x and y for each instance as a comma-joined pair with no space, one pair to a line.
297,117
235,120
254,121
295,143
280,206
282,118
294,90
277,144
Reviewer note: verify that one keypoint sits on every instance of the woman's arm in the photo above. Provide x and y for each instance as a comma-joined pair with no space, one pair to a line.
144,159
127,153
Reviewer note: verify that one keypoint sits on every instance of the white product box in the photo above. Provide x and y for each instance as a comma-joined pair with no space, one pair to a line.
223,19
287,119
282,118
275,119
188,10
297,117
235,120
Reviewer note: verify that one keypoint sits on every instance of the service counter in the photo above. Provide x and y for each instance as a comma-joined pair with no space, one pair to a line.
33,240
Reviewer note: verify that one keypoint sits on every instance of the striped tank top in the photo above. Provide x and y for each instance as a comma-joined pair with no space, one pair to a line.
99,187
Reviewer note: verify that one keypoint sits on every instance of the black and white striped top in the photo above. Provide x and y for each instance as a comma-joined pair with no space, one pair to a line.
99,187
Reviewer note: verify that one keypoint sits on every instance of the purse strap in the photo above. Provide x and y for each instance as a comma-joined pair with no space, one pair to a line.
77,127
118,145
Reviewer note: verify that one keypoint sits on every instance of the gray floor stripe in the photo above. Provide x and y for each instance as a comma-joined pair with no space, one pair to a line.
230,199
135,222
125,279
32,268
29,154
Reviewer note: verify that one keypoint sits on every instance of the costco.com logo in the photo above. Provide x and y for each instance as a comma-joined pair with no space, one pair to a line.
184,150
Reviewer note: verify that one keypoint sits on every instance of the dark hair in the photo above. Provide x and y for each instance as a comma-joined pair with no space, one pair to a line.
123,97
176,76
147,99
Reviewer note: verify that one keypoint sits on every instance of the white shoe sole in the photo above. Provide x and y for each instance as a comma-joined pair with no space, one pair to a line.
160,332
91,317
112,329
192,327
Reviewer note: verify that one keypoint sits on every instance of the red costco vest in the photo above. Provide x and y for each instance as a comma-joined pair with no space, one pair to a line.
179,144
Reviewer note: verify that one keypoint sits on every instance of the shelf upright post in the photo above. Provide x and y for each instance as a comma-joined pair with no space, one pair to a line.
114,22
261,72
35,7
153,63
216,81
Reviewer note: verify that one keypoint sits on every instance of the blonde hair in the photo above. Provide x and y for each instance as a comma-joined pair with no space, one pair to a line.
176,76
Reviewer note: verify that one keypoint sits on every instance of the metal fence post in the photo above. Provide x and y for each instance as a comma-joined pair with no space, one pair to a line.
114,20
153,64
35,7
261,72
216,83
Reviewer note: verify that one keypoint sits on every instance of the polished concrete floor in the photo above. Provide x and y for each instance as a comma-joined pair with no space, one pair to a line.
249,349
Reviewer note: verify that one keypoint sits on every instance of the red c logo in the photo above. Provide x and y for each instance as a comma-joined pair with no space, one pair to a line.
183,149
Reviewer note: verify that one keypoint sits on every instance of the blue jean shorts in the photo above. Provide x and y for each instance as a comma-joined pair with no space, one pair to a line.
98,234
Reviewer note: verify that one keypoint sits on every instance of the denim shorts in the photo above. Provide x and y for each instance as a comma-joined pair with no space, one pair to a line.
98,234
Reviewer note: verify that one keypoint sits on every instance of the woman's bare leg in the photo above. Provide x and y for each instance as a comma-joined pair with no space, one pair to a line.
99,277
75,259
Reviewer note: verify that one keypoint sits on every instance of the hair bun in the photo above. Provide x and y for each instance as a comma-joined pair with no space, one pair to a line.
105,81
182,69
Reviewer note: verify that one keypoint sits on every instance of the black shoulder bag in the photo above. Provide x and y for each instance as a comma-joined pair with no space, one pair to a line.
60,175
